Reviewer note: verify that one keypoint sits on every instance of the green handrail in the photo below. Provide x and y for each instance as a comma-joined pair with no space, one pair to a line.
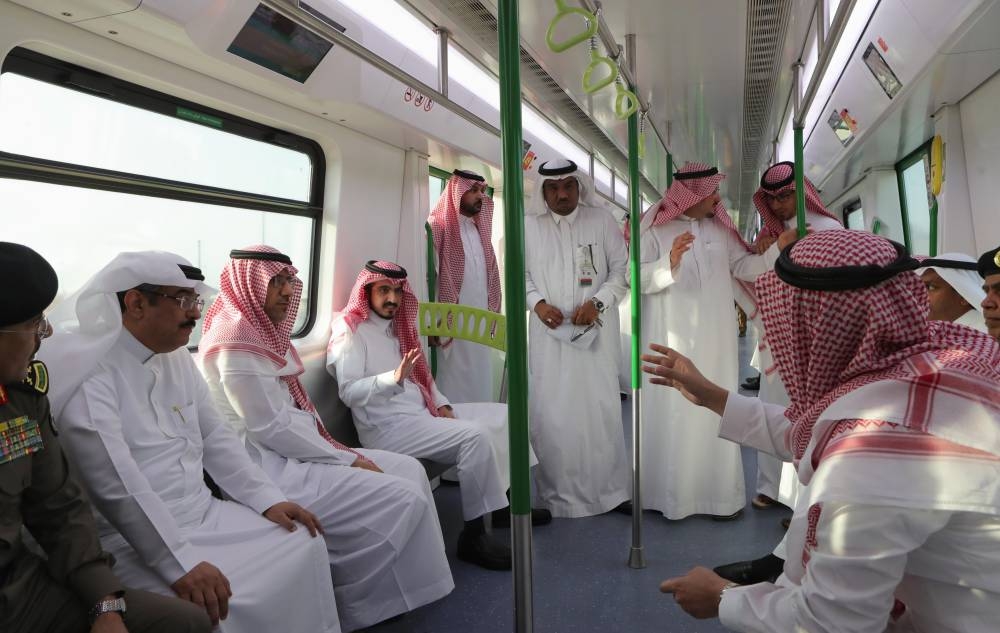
563,11
432,282
453,320
517,323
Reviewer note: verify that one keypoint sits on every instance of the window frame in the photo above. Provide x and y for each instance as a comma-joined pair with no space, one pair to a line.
849,208
905,163
40,67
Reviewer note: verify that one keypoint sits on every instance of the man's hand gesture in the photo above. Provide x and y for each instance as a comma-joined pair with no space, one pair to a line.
208,588
406,365
673,369
682,243
789,236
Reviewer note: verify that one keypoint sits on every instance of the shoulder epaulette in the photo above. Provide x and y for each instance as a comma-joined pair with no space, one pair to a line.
3,396
38,377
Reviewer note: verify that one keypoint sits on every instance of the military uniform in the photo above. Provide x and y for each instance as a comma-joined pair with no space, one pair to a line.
37,492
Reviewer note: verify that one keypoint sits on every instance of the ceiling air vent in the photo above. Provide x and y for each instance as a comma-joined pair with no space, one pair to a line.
767,23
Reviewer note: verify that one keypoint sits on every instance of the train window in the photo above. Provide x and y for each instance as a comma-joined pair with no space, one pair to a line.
602,178
621,190
913,178
854,217
143,175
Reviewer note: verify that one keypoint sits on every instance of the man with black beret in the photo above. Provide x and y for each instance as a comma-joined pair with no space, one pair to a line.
38,492
989,269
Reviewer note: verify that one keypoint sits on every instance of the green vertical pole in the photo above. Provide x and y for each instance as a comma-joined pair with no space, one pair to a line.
431,285
932,247
635,558
517,335
670,169
800,187
798,126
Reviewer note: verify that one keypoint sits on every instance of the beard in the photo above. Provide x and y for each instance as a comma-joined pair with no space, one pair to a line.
471,209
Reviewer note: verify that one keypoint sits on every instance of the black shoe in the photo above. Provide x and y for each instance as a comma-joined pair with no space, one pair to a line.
728,517
539,516
480,549
625,507
751,384
750,572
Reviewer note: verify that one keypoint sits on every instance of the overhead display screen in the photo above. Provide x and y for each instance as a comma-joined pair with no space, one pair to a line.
271,40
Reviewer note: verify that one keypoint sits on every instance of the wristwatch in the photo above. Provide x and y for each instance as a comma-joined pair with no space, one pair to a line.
107,606
598,304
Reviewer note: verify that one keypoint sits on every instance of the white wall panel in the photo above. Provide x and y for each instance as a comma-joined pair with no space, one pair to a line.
981,134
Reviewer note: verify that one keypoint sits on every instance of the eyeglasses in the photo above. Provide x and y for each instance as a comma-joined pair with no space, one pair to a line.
43,329
781,197
186,302
279,281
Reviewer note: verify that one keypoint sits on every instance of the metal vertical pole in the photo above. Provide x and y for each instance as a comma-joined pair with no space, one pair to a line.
636,559
517,335
798,125
820,24
443,35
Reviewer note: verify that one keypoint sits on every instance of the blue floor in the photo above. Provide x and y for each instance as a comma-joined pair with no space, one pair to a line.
581,580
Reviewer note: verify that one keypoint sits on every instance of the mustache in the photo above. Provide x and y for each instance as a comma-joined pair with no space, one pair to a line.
189,323
389,304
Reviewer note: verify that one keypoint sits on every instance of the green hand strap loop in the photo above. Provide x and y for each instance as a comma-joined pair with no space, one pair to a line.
563,11
596,61
626,103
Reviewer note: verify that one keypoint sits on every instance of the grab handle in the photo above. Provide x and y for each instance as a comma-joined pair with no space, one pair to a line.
626,103
563,11
596,61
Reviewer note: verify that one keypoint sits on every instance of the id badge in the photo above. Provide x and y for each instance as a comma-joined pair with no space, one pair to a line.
586,271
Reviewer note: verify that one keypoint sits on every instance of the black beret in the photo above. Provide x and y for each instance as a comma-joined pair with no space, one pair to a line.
30,283
989,263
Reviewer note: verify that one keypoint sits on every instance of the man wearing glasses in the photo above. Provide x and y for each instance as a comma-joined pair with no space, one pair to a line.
140,424
378,515
41,496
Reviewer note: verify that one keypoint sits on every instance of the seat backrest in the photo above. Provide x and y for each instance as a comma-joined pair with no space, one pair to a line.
324,393
452,320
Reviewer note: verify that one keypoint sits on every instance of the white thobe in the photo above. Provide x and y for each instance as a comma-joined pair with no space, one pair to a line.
687,469
575,411
394,417
943,565
973,318
465,369
382,533
775,478
140,430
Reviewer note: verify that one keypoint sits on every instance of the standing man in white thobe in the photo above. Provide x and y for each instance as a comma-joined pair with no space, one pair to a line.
775,202
378,515
575,265
382,375
692,262
139,425
462,225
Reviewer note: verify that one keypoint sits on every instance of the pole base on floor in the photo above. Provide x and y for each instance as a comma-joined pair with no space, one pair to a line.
636,560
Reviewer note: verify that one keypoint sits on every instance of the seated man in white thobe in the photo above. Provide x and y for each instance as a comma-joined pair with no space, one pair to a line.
462,225
378,516
989,270
575,264
893,425
954,291
694,265
383,376
139,425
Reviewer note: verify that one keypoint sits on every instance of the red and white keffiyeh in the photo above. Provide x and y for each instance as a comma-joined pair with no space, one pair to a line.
447,231
404,323
778,179
236,321
829,344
